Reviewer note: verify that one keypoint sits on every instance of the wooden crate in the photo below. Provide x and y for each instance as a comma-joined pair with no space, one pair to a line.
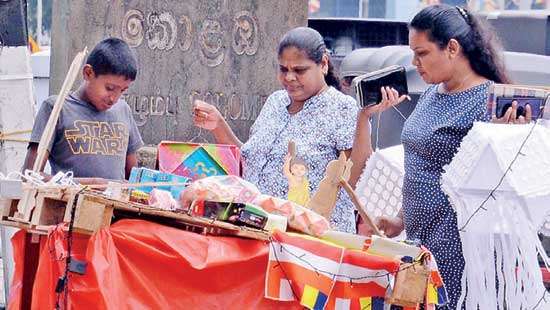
90,215
8,208
94,211
49,209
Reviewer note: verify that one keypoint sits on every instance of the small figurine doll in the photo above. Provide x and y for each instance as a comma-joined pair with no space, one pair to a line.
295,170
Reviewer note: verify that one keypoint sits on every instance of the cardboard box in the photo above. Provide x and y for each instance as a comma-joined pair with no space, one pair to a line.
196,161
144,175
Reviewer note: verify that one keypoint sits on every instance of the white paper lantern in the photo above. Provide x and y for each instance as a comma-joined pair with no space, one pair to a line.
499,185
380,186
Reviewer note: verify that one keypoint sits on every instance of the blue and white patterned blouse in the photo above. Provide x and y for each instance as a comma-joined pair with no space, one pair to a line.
324,127
431,137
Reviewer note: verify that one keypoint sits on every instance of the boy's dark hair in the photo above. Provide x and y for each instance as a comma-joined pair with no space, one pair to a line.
113,56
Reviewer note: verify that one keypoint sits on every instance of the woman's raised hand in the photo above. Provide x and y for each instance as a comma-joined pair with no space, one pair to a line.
510,117
206,115
390,98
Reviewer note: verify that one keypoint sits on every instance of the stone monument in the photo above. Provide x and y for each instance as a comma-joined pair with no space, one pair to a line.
220,51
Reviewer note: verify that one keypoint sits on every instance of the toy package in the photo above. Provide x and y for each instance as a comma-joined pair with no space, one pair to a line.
144,175
196,161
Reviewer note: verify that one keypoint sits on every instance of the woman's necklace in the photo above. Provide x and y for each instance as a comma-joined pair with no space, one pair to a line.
295,108
458,88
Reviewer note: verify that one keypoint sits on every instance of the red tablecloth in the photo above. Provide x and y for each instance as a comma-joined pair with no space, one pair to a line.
137,264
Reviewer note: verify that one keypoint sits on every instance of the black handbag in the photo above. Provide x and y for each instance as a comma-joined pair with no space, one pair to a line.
367,86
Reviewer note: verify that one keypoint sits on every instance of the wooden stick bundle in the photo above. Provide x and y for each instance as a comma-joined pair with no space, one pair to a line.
26,204
47,135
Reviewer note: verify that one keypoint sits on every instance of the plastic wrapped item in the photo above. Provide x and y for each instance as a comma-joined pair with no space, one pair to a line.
144,175
116,190
236,190
162,199
240,214
299,218
220,188
139,197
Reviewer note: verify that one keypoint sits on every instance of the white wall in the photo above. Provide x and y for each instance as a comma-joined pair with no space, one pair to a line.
16,104
40,63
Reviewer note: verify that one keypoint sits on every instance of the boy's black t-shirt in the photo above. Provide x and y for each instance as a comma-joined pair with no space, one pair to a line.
89,142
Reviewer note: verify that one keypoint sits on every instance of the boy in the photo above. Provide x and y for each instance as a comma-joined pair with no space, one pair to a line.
96,135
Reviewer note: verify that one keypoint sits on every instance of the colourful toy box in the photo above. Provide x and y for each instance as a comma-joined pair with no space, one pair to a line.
144,175
196,161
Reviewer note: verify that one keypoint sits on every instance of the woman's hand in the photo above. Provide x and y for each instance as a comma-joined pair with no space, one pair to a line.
510,117
206,115
390,98
390,226
362,146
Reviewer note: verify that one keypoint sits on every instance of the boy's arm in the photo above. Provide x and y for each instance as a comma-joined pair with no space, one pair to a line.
131,162
134,143
40,123
32,150
30,158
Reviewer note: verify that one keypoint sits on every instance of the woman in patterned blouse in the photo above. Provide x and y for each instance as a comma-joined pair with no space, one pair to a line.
310,110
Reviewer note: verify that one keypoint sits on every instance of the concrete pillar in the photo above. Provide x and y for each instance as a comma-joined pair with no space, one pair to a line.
16,115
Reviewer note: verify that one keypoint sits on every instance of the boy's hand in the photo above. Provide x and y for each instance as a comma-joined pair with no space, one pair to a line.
206,115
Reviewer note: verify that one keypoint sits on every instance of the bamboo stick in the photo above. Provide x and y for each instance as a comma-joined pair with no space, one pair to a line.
104,186
25,206
360,207
47,135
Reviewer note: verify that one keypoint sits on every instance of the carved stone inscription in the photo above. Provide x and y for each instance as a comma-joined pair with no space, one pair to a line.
234,106
160,31
219,51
